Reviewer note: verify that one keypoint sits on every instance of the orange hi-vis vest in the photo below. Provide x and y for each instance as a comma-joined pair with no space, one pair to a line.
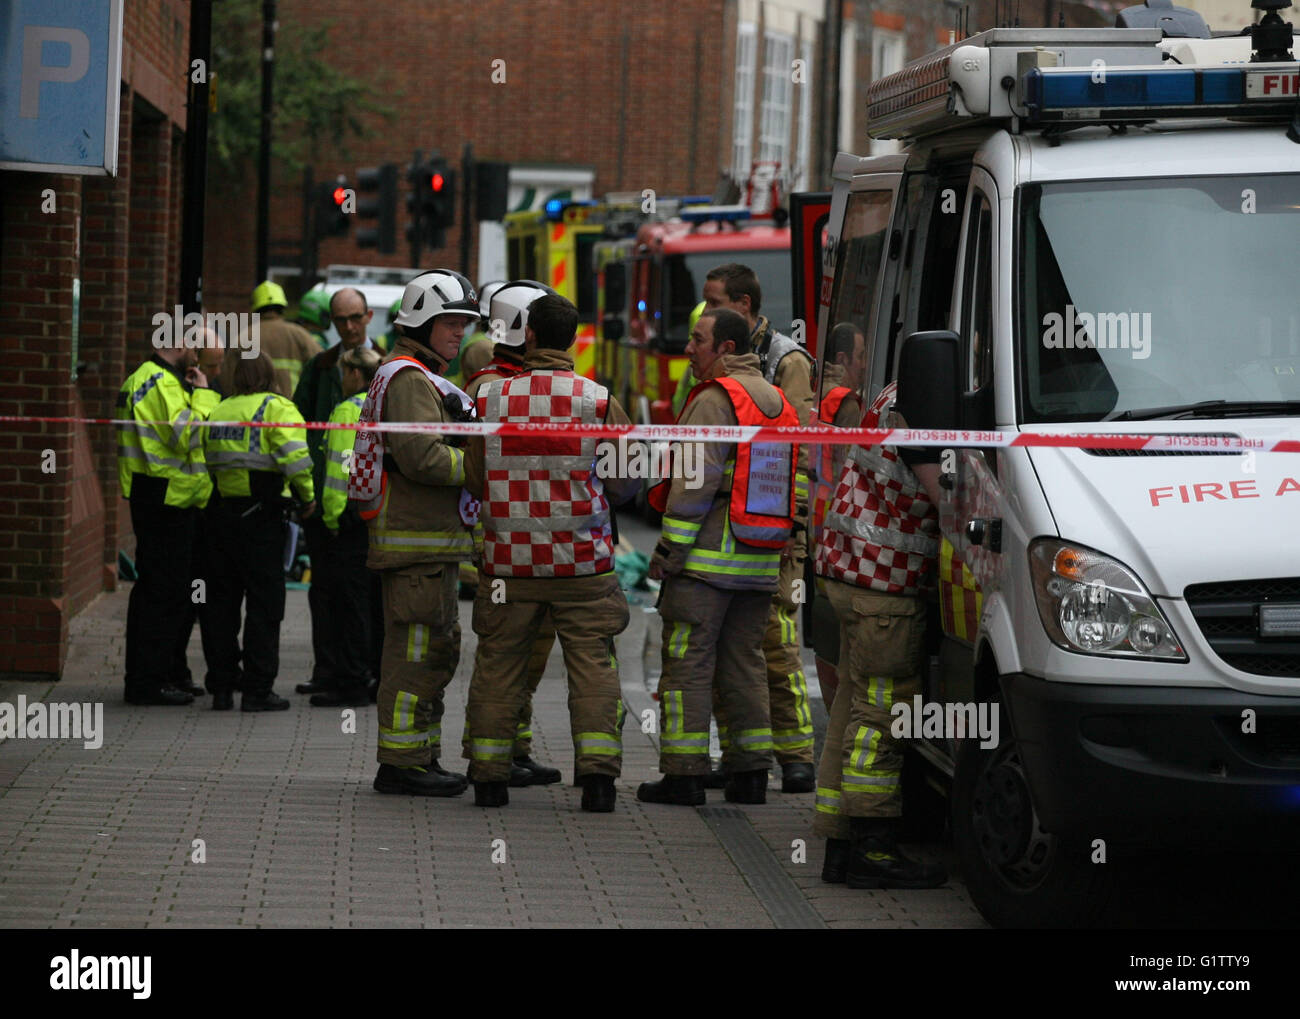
544,511
368,479
762,504
825,486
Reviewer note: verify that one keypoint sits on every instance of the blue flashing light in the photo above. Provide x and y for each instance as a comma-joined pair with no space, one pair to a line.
554,208
640,305
1142,93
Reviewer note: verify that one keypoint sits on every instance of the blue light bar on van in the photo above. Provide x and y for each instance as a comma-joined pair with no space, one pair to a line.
1055,94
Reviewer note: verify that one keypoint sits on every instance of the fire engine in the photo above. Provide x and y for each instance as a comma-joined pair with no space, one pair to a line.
649,301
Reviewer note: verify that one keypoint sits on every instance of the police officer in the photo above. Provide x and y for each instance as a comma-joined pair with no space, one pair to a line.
505,317
351,585
786,365
255,471
546,554
876,556
719,557
161,471
411,484
288,344
320,388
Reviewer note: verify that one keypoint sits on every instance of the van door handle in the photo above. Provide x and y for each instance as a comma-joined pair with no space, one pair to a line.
985,532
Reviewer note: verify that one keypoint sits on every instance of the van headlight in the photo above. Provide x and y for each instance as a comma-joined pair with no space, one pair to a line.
1091,603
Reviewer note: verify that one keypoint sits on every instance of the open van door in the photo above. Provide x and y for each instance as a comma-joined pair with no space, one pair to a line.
809,212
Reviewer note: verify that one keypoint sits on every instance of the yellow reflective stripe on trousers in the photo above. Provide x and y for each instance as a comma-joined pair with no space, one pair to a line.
753,739
797,739
489,751
523,731
417,642
828,800
599,743
860,772
682,532
678,637
785,617
675,739
403,735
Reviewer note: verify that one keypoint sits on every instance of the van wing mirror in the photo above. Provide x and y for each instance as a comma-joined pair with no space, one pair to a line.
928,371
612,327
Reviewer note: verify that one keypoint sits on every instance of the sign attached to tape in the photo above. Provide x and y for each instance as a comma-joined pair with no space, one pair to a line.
62,68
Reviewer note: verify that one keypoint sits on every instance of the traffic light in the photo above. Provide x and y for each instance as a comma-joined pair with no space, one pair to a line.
491,191
379,186
334,201
432,201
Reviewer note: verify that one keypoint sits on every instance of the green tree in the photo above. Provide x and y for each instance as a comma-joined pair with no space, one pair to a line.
315,103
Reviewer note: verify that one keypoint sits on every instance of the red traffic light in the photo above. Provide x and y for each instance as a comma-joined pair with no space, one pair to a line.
437,181
340,195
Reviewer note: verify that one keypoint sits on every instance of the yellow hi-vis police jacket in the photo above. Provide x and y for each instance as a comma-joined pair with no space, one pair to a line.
233,451
170,445
338,456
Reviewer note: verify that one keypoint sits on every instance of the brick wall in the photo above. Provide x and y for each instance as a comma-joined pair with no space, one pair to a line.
563,102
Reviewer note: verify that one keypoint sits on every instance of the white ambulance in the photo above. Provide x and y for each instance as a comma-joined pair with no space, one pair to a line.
1094,232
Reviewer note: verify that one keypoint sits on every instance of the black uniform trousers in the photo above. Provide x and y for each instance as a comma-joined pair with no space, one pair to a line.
159,612
349,602
246,562
320,546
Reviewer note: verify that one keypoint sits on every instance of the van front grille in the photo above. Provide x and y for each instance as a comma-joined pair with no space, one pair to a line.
1228,615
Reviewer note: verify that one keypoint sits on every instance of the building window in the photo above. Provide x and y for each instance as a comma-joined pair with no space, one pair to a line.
742,145
886,58
801,178
774,131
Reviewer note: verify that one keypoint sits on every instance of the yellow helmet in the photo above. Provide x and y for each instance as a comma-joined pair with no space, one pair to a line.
268,295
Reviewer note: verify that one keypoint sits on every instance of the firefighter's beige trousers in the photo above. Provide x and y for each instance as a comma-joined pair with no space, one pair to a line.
712,639
787,689
507,638
860,773
421,651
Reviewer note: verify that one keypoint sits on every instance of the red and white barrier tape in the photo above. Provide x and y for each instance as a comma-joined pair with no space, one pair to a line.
823,435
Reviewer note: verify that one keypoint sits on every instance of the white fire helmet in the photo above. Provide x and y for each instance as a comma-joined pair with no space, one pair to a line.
434,293
508,315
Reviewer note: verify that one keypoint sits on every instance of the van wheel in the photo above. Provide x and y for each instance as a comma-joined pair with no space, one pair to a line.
1018,874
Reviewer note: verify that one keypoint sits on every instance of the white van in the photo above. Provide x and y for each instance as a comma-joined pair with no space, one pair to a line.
1096,231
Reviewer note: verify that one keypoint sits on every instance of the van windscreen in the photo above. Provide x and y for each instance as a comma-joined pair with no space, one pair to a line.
1142,294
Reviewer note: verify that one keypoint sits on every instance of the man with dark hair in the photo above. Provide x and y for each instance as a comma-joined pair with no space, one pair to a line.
786,365
548,549
320,389
719,558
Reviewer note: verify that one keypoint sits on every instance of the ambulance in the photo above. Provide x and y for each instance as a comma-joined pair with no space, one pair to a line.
1091,233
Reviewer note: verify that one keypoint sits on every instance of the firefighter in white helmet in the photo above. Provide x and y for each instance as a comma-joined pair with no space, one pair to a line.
505,317
411,488
548,551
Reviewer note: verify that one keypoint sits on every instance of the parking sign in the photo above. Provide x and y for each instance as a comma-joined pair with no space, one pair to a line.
61,72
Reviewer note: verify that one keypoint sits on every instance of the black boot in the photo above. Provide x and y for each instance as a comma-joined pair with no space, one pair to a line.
798,777
438,769
541,774
683,790
520,777
417,781
491,794
268,701
875,861
598,794
223,700
835,868
746,787
716,778
353,695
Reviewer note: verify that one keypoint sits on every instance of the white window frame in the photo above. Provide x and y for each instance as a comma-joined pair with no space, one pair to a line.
801,175
888,54
742,128
775,112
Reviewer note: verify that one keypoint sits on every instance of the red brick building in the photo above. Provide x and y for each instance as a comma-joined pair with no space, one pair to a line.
62,520
666,96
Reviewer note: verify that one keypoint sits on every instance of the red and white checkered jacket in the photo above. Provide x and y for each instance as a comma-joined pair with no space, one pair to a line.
881,531
544,511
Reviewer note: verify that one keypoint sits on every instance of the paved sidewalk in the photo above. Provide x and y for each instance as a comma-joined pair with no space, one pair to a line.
293,835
